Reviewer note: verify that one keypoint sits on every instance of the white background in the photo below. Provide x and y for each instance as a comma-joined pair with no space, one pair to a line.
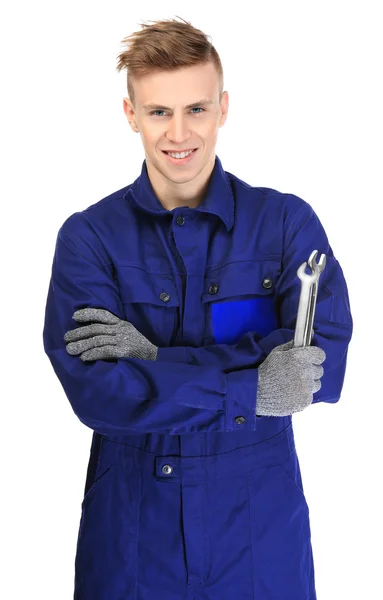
305,117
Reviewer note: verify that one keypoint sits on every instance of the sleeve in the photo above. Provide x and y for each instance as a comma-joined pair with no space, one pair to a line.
130,395
333,324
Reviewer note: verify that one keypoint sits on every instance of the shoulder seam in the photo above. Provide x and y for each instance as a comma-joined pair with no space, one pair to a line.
297,215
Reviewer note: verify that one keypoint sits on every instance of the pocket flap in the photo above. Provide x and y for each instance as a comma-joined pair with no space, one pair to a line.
138,285
256,277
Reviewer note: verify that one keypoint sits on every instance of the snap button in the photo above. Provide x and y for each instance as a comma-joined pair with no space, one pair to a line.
164,297
167,469
180,220
240,420
267,283
213,289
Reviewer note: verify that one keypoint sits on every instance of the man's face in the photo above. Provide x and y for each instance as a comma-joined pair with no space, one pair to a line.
177,127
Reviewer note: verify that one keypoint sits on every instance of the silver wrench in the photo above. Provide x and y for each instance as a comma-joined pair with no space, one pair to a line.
307,299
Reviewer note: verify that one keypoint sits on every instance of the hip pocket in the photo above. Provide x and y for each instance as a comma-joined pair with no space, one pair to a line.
290,469
280,532
106,553
101,479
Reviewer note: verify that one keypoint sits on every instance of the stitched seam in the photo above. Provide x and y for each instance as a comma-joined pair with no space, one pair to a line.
290,227
332,320
250,524
72,237
271,257
274,257
81,216
135,551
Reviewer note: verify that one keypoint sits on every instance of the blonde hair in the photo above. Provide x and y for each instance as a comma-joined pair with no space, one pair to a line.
164,46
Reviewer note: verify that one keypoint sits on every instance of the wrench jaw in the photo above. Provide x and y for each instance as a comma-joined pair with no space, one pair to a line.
307,300
316,267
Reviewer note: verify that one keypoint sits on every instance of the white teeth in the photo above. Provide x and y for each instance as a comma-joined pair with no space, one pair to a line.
179,154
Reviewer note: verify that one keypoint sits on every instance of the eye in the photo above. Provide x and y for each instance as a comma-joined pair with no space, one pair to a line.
155,111
195,108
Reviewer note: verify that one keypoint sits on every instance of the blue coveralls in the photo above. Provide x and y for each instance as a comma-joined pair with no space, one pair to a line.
189,495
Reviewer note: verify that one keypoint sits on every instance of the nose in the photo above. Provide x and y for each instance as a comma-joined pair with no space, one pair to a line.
178,130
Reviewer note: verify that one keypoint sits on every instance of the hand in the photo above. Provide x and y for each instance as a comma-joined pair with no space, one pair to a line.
288,378
110,337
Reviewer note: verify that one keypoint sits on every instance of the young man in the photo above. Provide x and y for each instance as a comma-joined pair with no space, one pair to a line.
184,292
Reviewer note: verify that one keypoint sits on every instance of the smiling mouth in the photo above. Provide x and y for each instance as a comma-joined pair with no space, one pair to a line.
179,151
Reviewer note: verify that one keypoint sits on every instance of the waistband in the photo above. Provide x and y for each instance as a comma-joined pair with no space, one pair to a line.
184,469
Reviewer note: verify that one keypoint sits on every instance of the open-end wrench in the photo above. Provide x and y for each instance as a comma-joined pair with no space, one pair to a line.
315,268
307,299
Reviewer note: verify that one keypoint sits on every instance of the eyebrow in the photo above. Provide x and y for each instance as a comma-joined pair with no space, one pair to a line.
194,105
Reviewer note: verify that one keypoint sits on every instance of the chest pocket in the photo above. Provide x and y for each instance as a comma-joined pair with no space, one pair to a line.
150,303
238,298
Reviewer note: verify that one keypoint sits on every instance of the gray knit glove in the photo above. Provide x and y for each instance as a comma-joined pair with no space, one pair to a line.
288,378
108,337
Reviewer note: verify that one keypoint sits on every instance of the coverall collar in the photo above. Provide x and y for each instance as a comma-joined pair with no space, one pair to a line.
219,198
